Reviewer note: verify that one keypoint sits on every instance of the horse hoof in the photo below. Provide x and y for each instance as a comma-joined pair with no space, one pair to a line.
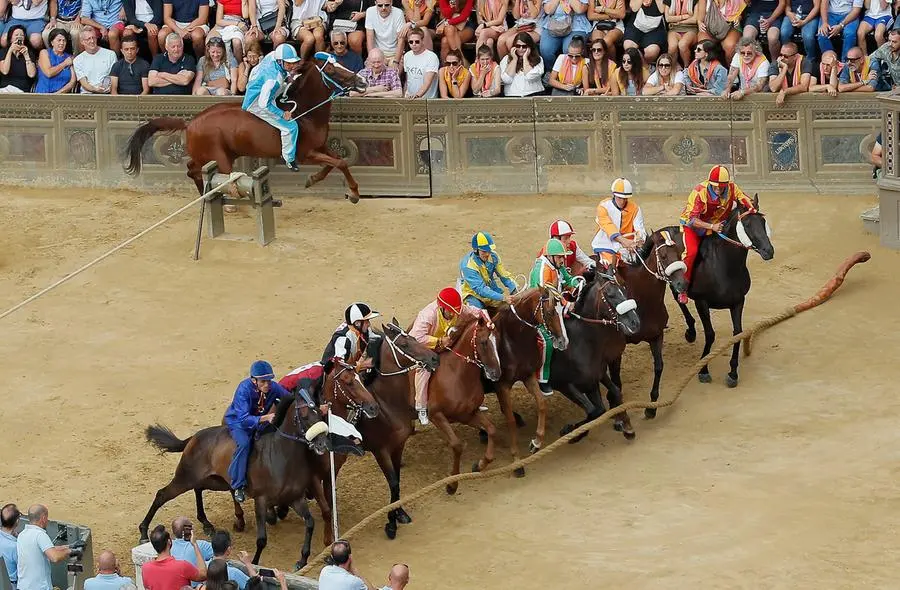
533,448
143,540
309,181
390,529
690,334
482,436
299,565
520,472
617,426
475,467
239,526
401,516
731,381
629,434
353,197
451,488
520,422
704,378
649,413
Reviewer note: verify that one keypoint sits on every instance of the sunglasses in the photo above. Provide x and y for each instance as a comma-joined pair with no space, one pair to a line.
414,41
699,49
383,5
626,61
788,56
452,63
597,50
664,65
747,53
520,46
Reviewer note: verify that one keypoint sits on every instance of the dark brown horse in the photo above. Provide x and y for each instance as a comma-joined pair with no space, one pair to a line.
225,132
280,469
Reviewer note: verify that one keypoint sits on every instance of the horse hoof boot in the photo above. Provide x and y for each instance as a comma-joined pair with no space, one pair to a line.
451,488
704,378
402,517
390,529
475,467
482,436
143,540
629,434
520,472
520,421
690,334
533,447
731,381
649,413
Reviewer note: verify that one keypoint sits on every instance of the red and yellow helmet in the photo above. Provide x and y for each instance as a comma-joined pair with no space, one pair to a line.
719,175
450,299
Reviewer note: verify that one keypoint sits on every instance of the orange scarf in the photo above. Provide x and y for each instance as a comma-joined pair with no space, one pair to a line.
680,7
798,71
857,76
695,76
475,70
460,76
567,75
748,72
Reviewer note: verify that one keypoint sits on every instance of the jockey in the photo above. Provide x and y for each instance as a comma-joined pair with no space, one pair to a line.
351,339
265,84
562,231
432,329
248,412
550,270
478,271
707,208
620,224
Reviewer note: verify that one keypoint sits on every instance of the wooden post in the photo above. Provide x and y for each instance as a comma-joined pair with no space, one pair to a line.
262,200
215,222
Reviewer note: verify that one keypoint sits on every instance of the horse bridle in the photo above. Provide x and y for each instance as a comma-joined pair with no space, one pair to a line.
354,409
298,421
336,91
474,359
660,273
740,218
395,348
610,308
539,310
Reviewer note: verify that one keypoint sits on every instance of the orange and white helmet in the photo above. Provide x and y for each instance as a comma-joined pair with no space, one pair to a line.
560,228
621,187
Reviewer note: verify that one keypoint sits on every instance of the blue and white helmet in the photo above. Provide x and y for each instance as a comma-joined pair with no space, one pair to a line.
286,52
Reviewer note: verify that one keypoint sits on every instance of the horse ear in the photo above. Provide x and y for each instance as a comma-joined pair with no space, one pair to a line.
394,321
756,201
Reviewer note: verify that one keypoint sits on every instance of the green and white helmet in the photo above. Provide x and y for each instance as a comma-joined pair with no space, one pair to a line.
555,248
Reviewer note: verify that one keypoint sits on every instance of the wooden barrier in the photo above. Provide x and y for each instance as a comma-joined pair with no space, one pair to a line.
253,190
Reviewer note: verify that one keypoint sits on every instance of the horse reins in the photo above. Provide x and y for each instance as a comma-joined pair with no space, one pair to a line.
297,419
612,310
338,90
394,350
740,217
354,409
475,361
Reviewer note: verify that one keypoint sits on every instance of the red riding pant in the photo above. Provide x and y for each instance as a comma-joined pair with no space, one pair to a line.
691,246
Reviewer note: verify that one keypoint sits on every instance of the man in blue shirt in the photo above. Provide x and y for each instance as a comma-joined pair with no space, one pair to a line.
35,551
9,519
250,410
181,542
221,544
107,577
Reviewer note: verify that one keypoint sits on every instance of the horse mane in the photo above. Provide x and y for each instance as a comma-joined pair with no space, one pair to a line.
462,328
281,411
644,251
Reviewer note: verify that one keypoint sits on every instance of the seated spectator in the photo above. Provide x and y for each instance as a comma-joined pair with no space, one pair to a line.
130,74
251,59
728,36
165,572
858,75
104,17
348,16
55,72
65,15
230,26
93,65
221,546
35,552
172,72
108,575
765,17
706,76
667,80
9,521
886,62
562,21
521,71
455,27
750,67
569,75
216,72
419,13
29,14
344,56
878,18
646,30
681,19
484,74
491,18
343,575
840,18
188,20
398,577
217,576
632,75
421,67
184,541
803,15
602,70
829,71
526,14
17,68
383,25
268,20
308,25
790,73
454,79
608,17
143,19
383,81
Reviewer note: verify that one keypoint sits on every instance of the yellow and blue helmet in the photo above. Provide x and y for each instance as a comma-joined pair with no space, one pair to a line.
483,241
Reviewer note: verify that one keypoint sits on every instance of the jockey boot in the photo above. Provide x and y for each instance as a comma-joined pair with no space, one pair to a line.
546,389
423,416
292,165
239,495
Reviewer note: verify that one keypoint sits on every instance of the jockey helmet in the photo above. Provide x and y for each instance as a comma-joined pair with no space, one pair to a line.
561,227
262,370
719,175
358,312
450,299
621,187
286,52
555,248
483,241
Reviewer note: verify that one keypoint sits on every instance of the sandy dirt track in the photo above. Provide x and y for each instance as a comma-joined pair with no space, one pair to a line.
786,482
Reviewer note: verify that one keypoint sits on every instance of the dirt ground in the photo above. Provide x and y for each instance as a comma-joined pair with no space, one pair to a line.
786,482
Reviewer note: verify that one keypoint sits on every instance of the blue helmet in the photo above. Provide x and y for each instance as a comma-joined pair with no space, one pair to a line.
483,241
286,52
262,370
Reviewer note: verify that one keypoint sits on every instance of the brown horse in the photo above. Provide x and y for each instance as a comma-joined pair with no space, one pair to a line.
281,464
225,132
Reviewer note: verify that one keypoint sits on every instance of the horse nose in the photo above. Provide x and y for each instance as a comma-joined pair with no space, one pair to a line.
370,410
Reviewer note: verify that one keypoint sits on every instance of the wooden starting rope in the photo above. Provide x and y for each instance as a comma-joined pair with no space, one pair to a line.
823,295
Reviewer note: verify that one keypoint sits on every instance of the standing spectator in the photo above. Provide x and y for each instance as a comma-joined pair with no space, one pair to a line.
454,79
308,25
858,75
345,56
562,20
485,72
35,551
348,16
130,74
765,16
790,74
382,81
878,18
886,62
28,13
608,17
343,575
491,22
143,19
172,72
398,578
750,67
268,20
632,76
706,76
383,25
183,545
103,16
421,67
526,14
681,17
167,573
108,575
93,65
216,71
840,18
231,26
55,72
667,80
221,545
65,15
17,67
803,15
187,19
9,520
602,70
570,72
251,60
646,29
521,71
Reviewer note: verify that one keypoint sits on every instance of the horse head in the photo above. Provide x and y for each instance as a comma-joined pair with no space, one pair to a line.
549,308
751,229
669,265
484,344
317,73
400,341
347,391
606,292
307,421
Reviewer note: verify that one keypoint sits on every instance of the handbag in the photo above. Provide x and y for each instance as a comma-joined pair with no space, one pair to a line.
560,26
716,25
267,22
345,25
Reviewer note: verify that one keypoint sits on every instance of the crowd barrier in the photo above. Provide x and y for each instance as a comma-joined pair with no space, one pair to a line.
558,145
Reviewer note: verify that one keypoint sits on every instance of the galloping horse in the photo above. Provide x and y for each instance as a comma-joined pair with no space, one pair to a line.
225,132
280,463
720,279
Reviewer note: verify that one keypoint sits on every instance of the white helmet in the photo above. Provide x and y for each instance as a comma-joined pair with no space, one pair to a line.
621,187
286,52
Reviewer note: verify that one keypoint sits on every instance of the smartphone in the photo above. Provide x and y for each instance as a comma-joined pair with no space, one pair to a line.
186,532
266,572
75,567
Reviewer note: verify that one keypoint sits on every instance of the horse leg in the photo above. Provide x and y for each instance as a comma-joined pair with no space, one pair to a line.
324,502
194,173
261,539
656,350
480,419
271,517
239,523
456,446
397,461
208,528
737,313
387,468
709,336
540,401
328,159
301,508
590,409
165,494
690,334
503,399
614,396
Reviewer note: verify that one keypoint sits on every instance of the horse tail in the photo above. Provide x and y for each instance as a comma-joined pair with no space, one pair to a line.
142,134
165,440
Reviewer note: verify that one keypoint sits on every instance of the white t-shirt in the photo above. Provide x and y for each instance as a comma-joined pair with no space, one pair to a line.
762,71
266,7
679,78
36,9
875,11
416,66
94,67
142,11
386,29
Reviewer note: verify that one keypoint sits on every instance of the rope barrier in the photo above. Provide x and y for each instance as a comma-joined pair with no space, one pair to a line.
231,178
823,295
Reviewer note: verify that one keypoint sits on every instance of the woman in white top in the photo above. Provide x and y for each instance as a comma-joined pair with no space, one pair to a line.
308,25
522,69
667,80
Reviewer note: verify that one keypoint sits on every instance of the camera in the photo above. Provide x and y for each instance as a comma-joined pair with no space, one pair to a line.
187,532
75,568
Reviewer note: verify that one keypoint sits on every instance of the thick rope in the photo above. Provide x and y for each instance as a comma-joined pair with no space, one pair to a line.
231,178
823,295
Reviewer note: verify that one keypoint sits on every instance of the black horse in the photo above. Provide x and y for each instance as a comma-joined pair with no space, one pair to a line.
721,280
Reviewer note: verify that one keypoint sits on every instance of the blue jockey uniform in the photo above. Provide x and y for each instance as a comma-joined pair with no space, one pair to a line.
478,279
242,418
265,84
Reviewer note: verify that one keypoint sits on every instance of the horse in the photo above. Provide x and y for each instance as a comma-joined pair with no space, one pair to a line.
225,132
657,264
280,468
721,280
594,324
